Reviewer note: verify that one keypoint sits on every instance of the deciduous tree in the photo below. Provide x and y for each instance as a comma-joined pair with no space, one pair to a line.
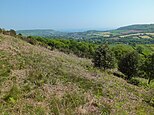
149,67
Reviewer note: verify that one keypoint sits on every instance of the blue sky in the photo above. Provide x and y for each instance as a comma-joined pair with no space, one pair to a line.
74,14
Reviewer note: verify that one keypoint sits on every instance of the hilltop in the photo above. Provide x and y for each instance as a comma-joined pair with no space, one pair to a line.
36,80
139,28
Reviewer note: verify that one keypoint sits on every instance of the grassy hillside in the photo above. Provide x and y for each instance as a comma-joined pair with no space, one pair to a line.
35,80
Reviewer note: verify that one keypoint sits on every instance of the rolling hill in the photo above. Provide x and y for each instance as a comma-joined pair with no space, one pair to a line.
139,28
141,33
35,80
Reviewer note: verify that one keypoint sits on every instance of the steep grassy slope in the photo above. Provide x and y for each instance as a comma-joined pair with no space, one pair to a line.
35,80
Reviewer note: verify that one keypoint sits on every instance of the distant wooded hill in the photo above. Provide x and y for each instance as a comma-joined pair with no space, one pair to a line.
139,27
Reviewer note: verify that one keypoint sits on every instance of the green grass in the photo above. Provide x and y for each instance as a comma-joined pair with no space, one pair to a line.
144,83
37,81
69,100
4,67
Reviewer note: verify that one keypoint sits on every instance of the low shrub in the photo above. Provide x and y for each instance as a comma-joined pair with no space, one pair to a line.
134,81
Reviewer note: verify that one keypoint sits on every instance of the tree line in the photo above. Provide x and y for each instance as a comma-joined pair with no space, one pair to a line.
130,63
81,49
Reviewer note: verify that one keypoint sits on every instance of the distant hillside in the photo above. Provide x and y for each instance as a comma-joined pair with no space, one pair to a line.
54,33
139,27
41,32
134,33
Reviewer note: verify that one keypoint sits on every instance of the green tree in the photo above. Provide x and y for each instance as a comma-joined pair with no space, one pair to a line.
129,64
1,30
140,49
120,50
149,67
12,32
91,51
104,57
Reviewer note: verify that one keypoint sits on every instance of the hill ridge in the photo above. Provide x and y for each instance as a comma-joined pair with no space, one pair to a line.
141,27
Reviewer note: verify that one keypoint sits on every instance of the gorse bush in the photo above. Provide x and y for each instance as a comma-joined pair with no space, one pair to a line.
129,64
104,57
